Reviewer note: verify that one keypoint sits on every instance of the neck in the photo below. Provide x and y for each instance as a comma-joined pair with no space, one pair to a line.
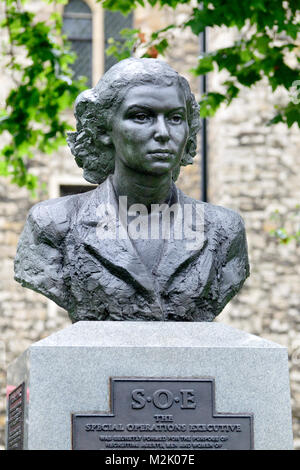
141,188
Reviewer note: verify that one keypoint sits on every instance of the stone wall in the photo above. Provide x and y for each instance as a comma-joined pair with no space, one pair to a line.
252,168
255,169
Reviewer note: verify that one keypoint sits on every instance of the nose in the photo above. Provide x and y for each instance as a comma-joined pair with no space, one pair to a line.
161,133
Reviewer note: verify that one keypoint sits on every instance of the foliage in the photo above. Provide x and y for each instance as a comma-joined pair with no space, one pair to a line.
125,47
132,39
267,47
39,62
286,226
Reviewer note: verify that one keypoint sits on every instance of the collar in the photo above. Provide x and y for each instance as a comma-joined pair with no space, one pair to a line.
99,227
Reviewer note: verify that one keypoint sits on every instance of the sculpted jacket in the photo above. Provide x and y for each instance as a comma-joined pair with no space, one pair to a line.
62,255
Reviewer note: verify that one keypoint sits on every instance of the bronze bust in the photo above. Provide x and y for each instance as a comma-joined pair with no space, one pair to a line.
136,247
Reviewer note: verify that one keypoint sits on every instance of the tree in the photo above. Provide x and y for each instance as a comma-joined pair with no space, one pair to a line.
38,59
268,34
268,38
43,87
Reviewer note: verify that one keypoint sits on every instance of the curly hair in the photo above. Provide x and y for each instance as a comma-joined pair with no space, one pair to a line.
95,108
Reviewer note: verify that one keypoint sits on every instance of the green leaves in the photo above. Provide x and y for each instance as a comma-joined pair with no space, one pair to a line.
209,103
247,62
43,88
124,6
131,39
204,66
286,227
289,114
268,31
122,49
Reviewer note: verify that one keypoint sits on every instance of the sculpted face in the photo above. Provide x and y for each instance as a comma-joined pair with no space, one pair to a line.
150,129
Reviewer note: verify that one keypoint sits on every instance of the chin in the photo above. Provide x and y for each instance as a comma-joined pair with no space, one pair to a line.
160,169
154,171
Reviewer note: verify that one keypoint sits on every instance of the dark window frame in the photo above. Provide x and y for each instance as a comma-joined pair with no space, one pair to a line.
82,46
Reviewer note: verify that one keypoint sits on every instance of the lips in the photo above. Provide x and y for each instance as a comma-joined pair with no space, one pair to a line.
161,151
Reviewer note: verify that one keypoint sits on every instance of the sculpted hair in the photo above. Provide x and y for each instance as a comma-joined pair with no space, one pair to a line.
95,108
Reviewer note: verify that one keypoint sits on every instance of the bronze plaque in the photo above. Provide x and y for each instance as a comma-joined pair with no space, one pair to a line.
162,414
15,425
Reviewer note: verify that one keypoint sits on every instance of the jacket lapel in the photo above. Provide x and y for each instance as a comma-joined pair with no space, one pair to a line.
98,226
179,253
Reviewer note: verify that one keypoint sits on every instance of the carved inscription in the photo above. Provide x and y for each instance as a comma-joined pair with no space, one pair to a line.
162,414
15,429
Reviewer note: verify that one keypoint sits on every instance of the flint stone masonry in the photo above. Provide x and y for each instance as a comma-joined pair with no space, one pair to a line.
69,372
255,169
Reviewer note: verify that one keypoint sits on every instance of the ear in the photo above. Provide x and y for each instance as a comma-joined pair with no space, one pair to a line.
105,138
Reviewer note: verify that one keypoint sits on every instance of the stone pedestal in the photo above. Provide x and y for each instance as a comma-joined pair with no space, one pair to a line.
70,371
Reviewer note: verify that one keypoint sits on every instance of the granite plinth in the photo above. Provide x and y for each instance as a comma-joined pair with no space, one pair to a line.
69,372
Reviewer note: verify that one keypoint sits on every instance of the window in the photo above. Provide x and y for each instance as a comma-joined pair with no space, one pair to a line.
69,189
65,185
114,22
88,28
78,27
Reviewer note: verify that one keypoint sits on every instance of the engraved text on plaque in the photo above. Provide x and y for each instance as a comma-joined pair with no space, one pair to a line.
162,414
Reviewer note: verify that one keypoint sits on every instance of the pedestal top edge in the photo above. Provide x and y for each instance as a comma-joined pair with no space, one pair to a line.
154,334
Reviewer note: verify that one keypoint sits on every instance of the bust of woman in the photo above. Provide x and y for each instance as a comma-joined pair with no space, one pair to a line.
136,247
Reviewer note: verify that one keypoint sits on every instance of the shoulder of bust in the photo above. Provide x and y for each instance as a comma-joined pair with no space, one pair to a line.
217,215
51,219
227,218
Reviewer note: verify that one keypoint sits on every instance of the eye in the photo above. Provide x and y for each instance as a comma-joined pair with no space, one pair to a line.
141,117
176,118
